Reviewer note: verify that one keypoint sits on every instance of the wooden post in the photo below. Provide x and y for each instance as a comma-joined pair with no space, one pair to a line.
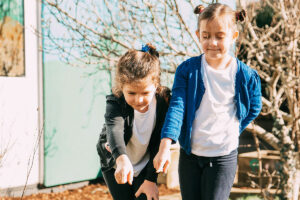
172,174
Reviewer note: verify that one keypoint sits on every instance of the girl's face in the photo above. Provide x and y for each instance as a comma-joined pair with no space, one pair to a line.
138,94
216,38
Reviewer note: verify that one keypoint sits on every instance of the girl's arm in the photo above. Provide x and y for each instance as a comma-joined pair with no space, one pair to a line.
175,115
254,88
115,134
174,119
115,127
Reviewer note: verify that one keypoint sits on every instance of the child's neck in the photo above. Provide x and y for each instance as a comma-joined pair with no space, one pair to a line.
221,63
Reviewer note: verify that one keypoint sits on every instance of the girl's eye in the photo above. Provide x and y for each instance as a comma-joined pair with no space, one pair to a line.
131,93
220,36
205,36
145,93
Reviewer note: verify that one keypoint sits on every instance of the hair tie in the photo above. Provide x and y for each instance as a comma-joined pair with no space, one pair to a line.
237,15
150,49
240,16
145,48
199,9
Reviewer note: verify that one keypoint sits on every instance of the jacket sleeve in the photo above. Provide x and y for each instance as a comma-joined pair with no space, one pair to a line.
175,115
254,88
115,127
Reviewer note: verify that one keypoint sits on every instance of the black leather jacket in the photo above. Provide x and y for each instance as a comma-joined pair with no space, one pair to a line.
117,130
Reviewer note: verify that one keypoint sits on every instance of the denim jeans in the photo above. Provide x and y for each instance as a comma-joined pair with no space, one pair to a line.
206,178
124,191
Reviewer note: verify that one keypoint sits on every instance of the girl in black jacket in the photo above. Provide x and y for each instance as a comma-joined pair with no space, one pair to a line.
134,117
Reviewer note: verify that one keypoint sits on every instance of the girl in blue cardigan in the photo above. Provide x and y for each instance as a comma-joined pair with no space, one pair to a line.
214,97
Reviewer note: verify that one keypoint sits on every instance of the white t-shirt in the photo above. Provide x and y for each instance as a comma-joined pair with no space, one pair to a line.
143,125
215,130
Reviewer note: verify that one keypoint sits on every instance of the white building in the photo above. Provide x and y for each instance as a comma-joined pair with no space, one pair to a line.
50,115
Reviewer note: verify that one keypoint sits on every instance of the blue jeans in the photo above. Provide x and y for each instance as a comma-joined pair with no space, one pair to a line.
206,178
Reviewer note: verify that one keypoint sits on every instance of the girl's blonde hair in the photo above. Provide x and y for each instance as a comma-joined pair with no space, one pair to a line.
217,10
135,65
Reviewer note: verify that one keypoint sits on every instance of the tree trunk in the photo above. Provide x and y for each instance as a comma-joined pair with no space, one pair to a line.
297,180
289,172
288,158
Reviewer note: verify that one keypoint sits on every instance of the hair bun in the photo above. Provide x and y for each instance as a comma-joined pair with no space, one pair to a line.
241,15
199,9
151,46
152,50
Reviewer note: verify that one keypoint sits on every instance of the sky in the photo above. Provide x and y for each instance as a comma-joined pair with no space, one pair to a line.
60,31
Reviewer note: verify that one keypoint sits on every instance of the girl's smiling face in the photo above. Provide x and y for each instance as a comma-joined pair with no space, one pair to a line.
216,38
139,94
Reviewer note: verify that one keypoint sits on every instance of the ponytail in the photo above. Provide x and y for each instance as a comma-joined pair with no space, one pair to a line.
216,10
150,49
199,9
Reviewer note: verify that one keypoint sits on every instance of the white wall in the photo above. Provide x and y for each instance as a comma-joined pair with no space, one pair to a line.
19,112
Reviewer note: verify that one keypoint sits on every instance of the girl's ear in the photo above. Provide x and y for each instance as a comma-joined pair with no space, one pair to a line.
235,35
198,34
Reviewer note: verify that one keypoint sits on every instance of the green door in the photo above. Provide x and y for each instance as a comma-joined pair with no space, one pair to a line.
74,105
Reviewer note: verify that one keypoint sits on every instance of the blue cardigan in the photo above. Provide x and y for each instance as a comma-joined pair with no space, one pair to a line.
188,90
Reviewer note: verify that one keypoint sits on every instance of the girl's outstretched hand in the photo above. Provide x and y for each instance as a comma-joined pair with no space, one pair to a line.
149,189
162,159
124,171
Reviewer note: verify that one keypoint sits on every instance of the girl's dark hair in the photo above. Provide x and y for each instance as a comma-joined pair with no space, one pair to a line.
135,65
217,10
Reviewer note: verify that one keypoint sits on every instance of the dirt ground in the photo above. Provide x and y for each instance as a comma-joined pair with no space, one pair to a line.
97,191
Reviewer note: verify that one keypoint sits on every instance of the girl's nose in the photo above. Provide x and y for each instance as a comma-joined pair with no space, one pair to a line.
140,99
214,41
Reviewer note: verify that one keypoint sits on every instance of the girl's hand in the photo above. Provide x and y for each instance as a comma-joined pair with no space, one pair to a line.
162,159
149,189
124,171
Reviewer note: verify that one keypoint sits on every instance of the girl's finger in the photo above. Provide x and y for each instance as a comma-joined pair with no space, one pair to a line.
166,166
154,196
117,180
130,177
124,179
156,162
116,177
138,193
149,197
160,167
